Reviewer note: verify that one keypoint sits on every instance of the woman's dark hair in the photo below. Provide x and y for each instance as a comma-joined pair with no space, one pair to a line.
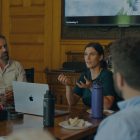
99,48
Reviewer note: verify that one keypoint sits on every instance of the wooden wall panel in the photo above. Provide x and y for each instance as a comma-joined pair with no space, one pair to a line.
38,2
48,34
15,2
56,34
29,25
27,35
27,38
5,19
27,11
0,15
28,52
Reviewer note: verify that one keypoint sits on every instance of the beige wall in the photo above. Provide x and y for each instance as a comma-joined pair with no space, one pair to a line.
33,30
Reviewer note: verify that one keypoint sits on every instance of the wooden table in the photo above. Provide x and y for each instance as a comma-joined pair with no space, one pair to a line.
36,122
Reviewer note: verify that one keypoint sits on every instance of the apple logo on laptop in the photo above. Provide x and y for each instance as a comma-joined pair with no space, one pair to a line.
31,98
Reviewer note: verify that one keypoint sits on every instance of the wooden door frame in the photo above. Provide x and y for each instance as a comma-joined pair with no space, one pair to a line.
0,15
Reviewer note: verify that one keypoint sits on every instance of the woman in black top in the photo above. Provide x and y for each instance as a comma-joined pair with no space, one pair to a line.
96,71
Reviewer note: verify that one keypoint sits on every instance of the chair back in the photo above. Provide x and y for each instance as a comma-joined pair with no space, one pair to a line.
30,75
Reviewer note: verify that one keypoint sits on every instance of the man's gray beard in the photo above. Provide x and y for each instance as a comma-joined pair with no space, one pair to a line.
5,57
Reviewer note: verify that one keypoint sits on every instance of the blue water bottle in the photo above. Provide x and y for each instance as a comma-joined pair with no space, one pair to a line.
97,100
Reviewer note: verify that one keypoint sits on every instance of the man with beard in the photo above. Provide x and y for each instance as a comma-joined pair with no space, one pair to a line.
125,123
10,70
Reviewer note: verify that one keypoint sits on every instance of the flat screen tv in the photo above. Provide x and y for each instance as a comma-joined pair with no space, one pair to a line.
121,13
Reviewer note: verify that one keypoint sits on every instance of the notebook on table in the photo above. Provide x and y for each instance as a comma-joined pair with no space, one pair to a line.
28,98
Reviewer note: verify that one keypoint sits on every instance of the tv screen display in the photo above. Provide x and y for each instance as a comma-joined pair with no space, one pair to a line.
102,12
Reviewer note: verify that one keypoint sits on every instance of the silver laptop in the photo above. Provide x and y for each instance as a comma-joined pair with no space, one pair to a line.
28,98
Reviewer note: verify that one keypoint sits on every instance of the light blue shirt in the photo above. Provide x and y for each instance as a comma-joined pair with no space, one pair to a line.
123,125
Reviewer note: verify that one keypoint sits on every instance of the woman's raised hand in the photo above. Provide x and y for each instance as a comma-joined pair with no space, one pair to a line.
64,80
88,83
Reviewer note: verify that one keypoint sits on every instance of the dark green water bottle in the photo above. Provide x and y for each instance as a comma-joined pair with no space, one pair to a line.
48,109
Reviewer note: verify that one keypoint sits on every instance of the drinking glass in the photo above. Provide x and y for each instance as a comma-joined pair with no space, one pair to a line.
9,97
2,96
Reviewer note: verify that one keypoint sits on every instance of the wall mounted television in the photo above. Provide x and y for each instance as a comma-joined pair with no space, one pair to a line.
122,13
